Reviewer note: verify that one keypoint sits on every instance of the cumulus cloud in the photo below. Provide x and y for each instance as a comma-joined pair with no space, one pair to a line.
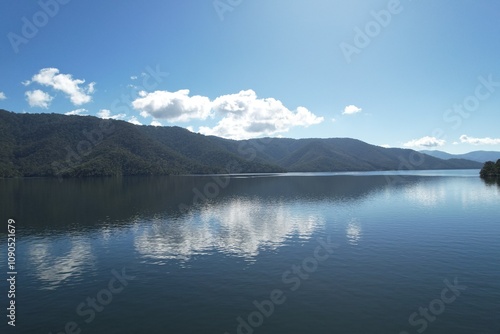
106,114
79,112
2,96
479,141
425,142
38,98
156,123
91,88
73,88
351,109
246,116
173,106
385,146
134,120
243,115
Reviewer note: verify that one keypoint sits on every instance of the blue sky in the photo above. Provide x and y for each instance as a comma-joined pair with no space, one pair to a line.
411,73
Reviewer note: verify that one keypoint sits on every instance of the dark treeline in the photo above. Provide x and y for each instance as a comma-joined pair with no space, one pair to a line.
490,169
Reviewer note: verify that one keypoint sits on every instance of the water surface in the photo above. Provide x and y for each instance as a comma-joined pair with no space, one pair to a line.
243,253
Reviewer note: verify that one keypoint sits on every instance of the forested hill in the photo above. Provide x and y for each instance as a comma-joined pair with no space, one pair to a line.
59,145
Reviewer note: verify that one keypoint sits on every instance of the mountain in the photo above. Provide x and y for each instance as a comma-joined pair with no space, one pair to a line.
78,146
479,156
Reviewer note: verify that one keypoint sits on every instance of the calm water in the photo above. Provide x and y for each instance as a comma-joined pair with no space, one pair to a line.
298,253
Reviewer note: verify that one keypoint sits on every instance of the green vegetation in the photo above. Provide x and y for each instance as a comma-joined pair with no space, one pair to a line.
76,146
490,170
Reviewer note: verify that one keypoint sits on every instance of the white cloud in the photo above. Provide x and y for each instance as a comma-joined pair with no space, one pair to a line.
479,141
334,120
79,112
134,120
351,109
173,106
134,77
425,142
65,83
91,88
386,146
106,114
243,114
246,116
2,96
190,128
37,98
156,123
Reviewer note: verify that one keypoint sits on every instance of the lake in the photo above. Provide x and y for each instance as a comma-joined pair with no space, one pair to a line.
380,252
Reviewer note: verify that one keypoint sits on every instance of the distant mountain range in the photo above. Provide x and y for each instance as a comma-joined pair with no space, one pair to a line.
479,156
79,146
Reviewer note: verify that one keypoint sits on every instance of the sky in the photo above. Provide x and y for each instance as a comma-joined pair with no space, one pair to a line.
420,74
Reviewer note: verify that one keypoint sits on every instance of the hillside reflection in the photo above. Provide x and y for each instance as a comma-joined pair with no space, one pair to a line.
46,206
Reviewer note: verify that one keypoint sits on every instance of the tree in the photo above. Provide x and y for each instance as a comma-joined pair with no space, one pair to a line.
490,169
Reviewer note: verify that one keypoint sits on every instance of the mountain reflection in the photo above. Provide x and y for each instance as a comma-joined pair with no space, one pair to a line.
90,203
239,227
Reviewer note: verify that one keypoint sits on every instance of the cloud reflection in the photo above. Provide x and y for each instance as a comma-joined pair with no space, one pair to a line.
353,232
53,268
437,193
240,227
425,194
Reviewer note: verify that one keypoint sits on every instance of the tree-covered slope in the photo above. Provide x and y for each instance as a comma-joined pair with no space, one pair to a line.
490,170
346,154
59,145
52,144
